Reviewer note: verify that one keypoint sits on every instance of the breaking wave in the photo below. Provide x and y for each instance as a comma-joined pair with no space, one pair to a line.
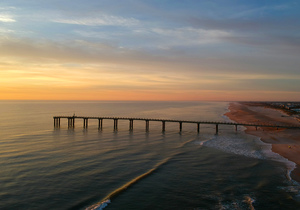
248,146
105,201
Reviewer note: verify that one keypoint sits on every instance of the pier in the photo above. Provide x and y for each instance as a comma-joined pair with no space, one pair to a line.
71,123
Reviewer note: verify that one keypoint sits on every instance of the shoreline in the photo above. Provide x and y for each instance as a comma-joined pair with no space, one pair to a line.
285,142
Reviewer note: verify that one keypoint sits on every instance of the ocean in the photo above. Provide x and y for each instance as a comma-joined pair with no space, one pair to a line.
42,167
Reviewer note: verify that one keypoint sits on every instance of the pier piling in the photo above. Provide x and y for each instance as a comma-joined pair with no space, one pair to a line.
100,123
85,123
130,125
70,122
56,122
147,125
115,124
163,126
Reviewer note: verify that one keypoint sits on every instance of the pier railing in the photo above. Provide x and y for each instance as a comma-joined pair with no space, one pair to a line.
71,123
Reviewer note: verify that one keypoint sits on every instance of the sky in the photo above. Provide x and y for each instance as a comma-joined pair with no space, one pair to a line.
215,50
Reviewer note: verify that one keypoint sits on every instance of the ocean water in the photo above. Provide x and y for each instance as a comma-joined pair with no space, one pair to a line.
46,168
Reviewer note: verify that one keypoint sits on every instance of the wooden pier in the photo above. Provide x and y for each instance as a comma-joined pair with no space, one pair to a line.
71,123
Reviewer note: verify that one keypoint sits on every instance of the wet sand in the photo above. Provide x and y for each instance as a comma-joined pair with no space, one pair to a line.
285,142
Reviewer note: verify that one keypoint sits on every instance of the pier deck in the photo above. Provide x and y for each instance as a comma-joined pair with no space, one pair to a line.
71,122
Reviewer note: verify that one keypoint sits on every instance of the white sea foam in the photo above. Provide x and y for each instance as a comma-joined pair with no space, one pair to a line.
249,146
293,187
276,157
249,201
238,203
237,145
99,206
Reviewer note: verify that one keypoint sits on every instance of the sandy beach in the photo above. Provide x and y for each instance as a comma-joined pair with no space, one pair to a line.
285,142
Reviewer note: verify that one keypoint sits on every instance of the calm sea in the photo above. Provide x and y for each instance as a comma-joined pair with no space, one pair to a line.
46,168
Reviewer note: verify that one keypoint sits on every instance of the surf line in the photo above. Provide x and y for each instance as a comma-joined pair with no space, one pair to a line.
105,201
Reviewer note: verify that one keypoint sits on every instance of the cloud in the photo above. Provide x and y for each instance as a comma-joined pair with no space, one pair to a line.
157,38
275,35
260,11
88,53
193,56
7,18
85,68
273,44
256,25
6,31
101,20
75,52
189,35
